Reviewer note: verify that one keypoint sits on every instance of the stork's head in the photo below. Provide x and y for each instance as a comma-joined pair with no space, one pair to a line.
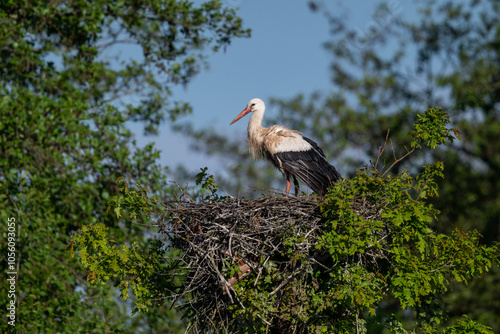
253,105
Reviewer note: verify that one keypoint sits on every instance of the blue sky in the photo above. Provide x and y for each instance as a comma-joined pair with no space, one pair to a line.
283,57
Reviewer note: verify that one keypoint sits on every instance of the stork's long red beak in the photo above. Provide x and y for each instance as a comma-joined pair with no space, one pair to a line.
243,113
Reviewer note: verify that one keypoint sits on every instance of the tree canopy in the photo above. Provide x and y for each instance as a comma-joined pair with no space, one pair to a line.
68,95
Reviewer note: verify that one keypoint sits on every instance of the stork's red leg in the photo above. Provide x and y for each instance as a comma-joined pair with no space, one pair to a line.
296,185
288,185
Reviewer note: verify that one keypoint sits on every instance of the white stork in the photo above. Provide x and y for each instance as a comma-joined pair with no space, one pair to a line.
289,151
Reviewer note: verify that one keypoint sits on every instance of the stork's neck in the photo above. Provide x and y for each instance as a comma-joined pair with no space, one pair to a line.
255,122
255,133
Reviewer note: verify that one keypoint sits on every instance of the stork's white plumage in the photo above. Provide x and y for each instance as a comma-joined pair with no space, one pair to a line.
292,153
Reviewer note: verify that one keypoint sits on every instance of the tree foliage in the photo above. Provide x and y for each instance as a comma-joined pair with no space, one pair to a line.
68,96
374,242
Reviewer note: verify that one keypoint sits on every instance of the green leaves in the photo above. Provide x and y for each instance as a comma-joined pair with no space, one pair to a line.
136,202
431,131
426,183
131,267
207,183
468,326
380,238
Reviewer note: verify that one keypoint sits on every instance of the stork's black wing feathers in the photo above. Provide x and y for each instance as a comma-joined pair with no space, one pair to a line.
309,166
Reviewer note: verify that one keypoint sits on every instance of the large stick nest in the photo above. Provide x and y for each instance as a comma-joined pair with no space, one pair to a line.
216,238
224,243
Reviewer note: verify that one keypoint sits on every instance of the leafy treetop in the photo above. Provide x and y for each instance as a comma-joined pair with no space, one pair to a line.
375,244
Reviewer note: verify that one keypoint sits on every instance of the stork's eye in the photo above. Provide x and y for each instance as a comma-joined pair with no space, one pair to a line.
252,105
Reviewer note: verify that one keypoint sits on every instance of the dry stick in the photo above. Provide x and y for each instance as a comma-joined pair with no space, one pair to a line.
397,160
382,149
282,284
261,318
